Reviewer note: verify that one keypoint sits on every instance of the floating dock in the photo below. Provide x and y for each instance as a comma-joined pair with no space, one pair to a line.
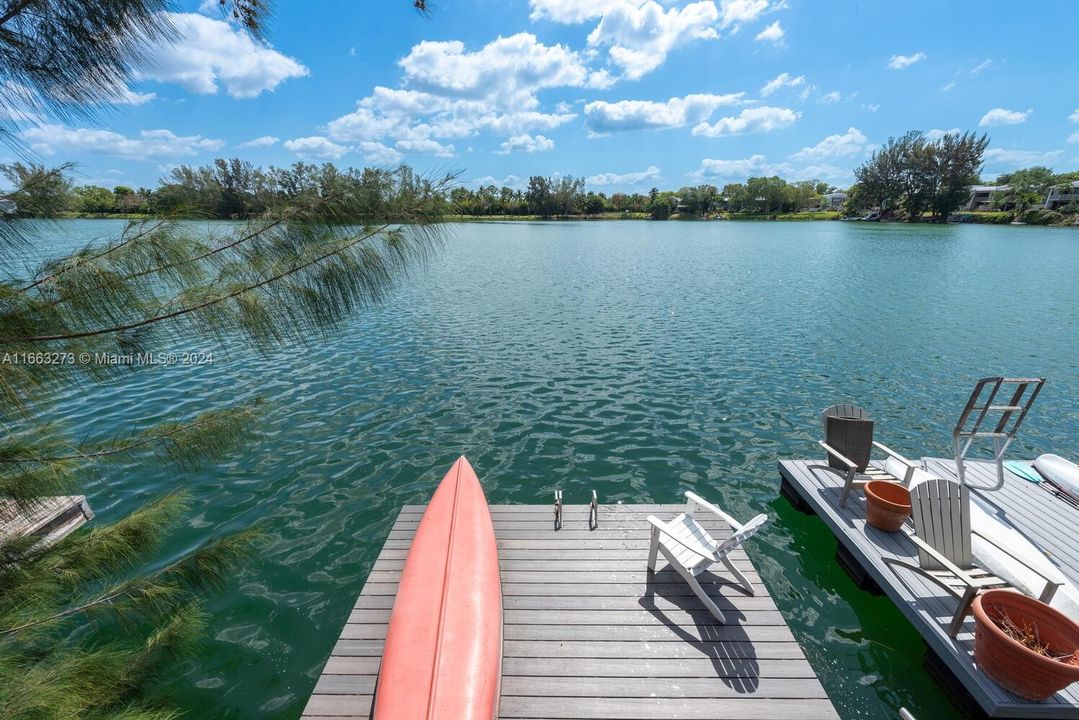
589,635
51,518
1047,520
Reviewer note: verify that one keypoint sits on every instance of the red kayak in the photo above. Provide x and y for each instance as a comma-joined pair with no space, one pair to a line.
443,654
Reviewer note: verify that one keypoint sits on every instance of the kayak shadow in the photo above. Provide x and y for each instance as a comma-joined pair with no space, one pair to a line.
728,647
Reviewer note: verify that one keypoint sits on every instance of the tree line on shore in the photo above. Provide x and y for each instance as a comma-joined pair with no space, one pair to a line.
911,177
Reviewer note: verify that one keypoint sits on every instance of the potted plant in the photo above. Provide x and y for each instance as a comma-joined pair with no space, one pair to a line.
1024,645
887,505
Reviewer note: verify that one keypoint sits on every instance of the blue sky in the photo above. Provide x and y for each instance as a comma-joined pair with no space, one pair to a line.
628,93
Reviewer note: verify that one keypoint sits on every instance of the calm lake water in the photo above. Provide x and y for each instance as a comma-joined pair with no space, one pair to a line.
640,359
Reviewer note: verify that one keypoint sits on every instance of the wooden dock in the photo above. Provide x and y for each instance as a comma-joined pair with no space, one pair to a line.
588,634
1045,519
50,518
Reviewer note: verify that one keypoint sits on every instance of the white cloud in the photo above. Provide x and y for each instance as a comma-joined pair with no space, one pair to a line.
640,35
149,145
127,96
852,142
902,62
937,133
603,117
871,107
772,33
570,12
426,145
511,181
1074,138
508,70
632,178
751,120
754,165
316,148
1009,159
526,143
379,154
830,98
208,52
264,141
738,12
999,116
1074,117
780,81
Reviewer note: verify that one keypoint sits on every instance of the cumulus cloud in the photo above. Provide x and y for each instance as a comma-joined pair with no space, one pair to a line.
570,12
1074,117
316,148
772,33
852,142
511,181
526,143
641,35
1000,157
999,116
264,141
902,62
149,145
830,98
631,178
937,133
781,81
758,165
1073,138
376,152
453,92
751,120
604,117
739,12
209,52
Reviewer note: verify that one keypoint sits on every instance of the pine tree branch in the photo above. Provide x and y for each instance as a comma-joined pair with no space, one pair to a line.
14,11
206,304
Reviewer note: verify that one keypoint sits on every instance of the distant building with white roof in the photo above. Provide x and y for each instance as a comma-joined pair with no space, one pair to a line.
1061,195
986,197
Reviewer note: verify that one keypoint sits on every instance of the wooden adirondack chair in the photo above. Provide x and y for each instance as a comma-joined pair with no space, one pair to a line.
942,533
897,468
691,550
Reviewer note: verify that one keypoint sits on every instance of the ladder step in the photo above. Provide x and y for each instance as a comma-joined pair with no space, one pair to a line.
1002,408
982,433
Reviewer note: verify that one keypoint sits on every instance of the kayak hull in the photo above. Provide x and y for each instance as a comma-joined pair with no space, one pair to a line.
1059,471
443,654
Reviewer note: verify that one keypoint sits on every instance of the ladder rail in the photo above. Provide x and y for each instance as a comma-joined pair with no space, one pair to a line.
1004,430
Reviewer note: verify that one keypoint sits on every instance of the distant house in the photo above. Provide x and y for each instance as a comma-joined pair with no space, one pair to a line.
833,201
1061,195
8,207
987,197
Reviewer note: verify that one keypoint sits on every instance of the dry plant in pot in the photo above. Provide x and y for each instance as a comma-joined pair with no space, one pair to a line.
1024,645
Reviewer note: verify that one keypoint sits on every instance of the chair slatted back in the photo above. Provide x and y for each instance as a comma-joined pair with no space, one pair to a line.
746,532
842,410
941,512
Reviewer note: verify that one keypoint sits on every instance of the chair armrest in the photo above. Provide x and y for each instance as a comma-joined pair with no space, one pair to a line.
837,455
948,564
1058,580
735,525
658,524
888,451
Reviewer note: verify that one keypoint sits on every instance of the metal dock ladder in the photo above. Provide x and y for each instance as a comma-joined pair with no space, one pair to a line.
1001,428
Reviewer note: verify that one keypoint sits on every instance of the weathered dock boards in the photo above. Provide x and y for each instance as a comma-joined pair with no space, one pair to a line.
589,635
1036,513
51,519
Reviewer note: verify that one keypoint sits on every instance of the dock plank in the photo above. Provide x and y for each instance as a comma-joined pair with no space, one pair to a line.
590,634
1033,511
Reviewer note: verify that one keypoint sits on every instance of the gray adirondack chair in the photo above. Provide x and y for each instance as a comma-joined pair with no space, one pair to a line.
691,550
898,469
942,533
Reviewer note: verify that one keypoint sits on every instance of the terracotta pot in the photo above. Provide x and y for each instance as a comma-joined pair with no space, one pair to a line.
1014,666
887,505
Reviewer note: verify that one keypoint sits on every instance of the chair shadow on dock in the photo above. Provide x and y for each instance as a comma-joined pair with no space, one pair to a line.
728,646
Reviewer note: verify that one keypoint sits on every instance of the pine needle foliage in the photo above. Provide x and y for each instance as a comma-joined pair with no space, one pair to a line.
88,624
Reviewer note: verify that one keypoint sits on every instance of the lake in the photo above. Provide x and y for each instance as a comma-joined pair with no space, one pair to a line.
641,359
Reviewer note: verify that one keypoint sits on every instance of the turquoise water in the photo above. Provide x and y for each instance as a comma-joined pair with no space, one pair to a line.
640,359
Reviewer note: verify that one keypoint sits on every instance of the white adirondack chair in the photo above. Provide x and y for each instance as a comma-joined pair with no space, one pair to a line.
942,533
896,469
691,550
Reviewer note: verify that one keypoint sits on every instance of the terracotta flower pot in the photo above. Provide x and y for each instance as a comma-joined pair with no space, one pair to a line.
887,505
1012,665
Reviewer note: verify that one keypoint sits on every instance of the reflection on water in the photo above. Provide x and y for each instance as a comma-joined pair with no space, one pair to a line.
640,359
